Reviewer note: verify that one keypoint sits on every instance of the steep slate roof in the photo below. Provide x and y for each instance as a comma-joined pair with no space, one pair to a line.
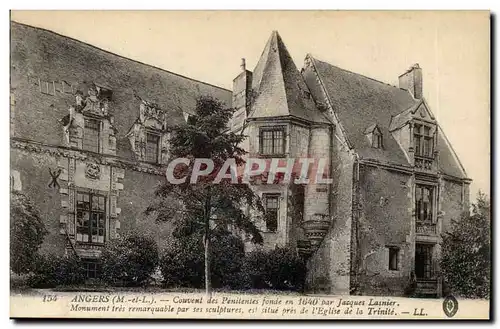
54,57
279,87
361,102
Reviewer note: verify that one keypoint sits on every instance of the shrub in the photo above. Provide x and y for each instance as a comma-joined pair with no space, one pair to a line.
27,232
51,271
183,262
466,261
280,269
129,260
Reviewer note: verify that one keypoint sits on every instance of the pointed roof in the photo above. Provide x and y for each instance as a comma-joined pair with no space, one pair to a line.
278,86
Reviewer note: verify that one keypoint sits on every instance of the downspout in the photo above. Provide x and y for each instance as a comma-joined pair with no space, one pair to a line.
330,194
355,266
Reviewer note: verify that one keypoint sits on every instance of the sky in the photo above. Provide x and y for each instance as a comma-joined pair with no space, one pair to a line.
452,48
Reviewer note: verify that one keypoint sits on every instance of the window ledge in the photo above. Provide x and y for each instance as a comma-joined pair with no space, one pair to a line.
267,156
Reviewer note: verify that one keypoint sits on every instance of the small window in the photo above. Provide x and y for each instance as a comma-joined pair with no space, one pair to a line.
92,268
67,88
377,141
104,93
91,135
271,206
152,147
393,258
272,141
47,88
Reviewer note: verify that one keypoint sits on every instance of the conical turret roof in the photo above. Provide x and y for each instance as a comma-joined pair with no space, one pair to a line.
278,86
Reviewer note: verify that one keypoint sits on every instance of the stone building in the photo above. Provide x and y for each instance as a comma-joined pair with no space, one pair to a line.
88,145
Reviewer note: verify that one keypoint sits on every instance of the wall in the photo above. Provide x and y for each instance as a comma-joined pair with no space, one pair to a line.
329,267
451,204
137,194
385,203
35,178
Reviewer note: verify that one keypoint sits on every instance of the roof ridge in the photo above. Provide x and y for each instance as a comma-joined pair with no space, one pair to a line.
362,75
118,55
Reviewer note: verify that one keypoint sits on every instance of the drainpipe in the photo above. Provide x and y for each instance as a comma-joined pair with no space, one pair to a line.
355,214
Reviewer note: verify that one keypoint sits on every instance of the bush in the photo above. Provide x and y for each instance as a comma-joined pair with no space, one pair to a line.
466,261
183,262
27,232
129,260
51,271
280,269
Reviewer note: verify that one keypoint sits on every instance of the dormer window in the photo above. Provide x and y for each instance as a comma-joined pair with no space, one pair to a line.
152,147
91,132
377,139
375,136
148,135
423,139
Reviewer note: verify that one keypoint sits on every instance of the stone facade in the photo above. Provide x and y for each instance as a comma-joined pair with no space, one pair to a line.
60,89
89,124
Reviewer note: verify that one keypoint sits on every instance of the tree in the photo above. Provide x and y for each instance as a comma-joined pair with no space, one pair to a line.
27,232
205,205
466,261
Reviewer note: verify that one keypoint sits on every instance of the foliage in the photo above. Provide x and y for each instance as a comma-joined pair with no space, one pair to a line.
182,263
280,269
27,232
466,249
51,271
206,136
129,260
204,206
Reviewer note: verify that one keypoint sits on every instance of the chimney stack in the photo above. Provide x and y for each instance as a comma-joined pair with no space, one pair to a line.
242,86
411,80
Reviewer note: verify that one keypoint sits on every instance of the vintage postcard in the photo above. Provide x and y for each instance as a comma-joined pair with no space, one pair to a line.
250,164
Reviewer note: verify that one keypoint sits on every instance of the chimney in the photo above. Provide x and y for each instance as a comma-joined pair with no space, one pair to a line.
411,80
242,86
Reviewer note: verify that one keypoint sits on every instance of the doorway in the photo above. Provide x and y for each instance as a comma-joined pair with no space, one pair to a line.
423,261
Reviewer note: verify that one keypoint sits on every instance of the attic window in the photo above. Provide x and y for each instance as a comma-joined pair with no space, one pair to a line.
375,136
104,93
377,140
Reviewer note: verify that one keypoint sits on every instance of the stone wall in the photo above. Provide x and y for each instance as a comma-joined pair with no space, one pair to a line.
385,220
329,266
34,177
453,202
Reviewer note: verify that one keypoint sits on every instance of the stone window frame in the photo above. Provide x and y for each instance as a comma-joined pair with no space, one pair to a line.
377,139
393,253
158,134
375,136
99,132
273,129
265,197
106,214
434,208
423,137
